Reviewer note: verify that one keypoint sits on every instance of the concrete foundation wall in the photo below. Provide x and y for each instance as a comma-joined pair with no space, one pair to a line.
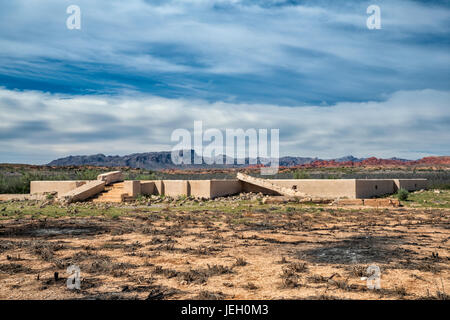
60,187
322,188
132,187
410,184
200,188
159,187
221,188
148,188
326,188
369,188
174,188
195,188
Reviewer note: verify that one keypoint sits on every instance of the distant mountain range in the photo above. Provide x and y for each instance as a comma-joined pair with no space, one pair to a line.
163,160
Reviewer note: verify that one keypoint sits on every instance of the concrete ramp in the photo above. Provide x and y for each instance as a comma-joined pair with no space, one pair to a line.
84,192
267,184
111,177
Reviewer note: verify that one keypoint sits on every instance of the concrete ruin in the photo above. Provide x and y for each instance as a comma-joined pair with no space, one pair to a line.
111,187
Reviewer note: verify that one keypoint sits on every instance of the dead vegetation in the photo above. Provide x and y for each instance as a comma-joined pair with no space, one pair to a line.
231,250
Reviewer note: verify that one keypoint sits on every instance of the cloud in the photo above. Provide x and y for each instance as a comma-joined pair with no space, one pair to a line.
267,51
37,127
139,69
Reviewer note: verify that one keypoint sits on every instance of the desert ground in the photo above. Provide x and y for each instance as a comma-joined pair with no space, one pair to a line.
230,248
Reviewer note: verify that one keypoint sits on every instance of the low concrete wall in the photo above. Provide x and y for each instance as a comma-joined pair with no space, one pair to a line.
60,187
159,187
200,188
325,188
410,184
369,188
84,192
220,188
110,177
148,187
132,187
214,188
175,188
195,188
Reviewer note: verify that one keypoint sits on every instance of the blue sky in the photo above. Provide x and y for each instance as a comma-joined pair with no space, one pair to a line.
310,68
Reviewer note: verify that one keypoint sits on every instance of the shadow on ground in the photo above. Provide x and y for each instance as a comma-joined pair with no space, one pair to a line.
359,249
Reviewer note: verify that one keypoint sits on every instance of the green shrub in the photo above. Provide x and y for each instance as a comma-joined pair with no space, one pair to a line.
301,174
17,183
87,174
402,194
142,175
140,198
50,196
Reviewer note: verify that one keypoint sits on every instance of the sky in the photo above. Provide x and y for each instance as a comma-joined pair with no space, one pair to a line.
139,69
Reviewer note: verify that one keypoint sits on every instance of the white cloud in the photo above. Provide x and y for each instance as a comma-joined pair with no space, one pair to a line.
249,39
242,52
38,127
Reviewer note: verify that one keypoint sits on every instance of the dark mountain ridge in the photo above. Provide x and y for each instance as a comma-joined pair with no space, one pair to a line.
163,160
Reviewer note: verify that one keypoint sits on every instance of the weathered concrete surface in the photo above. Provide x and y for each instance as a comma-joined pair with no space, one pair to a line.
351,188
346,188
309,190
132,187
323,188
175,188
84,192
368,188
214,188
159,187
152,187
60,187
111,177
200,188
410,184
266,183
220,188
148,187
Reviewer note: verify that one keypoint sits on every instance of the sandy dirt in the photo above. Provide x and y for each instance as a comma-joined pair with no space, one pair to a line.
301,253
